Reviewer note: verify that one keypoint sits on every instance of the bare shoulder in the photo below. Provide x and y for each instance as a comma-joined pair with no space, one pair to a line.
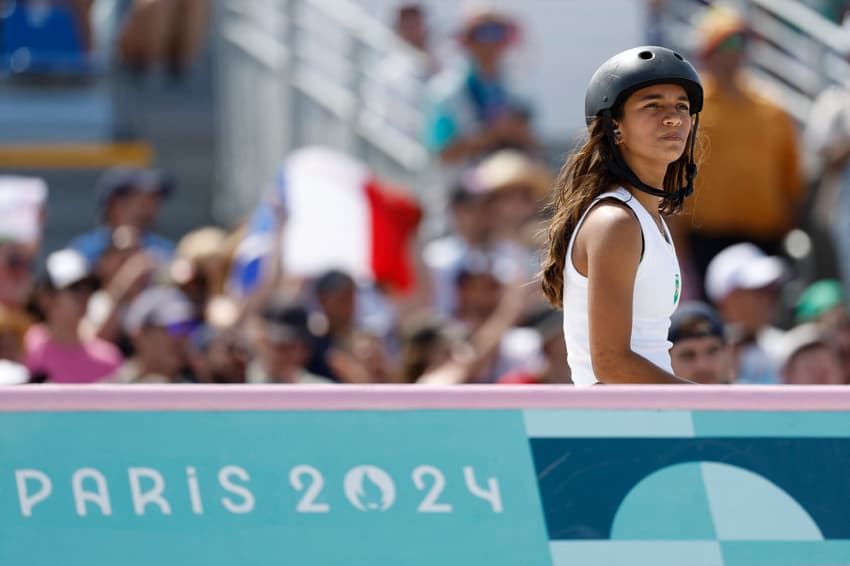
610,235
612,227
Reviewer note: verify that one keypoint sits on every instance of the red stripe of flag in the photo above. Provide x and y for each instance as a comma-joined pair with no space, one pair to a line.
394,220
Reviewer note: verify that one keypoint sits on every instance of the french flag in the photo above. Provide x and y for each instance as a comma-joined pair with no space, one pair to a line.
338,215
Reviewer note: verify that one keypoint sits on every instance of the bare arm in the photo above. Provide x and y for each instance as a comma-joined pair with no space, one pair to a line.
468,147
510,129
609,247
130,279
486,340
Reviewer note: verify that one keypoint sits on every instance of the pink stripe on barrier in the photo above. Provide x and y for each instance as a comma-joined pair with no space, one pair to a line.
400,397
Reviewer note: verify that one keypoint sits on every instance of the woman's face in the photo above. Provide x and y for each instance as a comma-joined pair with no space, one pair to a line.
655,125
818,365
516,206
66,307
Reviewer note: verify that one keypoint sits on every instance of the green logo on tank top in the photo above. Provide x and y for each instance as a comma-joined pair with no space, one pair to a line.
676,292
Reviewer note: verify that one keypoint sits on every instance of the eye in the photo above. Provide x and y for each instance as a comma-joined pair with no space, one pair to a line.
684,107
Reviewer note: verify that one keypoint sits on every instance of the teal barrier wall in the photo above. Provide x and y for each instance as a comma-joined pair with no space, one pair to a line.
416,487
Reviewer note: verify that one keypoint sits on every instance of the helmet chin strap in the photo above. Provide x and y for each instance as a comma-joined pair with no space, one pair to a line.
618,167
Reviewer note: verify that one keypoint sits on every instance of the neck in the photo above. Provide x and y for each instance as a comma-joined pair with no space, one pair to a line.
148,365
63,334
487,69
420,46
340,328
285,375
649,202
651,173
728,84
476,239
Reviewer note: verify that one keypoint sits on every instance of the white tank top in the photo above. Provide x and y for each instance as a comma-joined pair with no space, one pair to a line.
656,293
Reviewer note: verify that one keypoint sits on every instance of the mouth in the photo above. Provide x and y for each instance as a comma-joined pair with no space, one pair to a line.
673,138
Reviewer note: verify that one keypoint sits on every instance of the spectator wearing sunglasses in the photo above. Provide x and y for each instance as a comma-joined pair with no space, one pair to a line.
283,345
132,198
159,323
471,109
62,349
750,183
219,355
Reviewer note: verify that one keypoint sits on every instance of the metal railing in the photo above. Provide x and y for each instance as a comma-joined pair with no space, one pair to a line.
300,72
796,51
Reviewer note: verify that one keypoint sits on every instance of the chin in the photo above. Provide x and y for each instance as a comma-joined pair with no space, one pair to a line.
667,152
672,156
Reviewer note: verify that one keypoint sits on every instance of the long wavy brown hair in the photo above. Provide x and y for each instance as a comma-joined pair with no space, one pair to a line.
583,177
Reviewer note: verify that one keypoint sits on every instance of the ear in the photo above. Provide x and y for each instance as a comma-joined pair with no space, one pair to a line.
618,135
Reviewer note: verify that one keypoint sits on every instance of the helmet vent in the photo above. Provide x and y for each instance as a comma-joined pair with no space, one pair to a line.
646,55
677,56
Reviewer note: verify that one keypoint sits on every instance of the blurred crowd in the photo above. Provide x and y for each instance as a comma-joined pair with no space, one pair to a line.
341,277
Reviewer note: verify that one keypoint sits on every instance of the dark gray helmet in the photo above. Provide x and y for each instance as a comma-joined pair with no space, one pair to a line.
637,68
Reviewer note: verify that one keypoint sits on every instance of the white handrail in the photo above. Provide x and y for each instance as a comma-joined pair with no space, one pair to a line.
241,29
295,72
261,47
365,27
809,21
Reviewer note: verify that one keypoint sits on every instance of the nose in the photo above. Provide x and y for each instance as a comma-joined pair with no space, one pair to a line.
703,364
672,119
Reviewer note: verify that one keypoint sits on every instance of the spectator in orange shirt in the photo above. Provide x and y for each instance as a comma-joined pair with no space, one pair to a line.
750,181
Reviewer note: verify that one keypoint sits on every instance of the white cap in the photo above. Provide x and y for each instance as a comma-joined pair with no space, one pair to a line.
21,202
12,373
741,266
798,338
160,306
66,267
